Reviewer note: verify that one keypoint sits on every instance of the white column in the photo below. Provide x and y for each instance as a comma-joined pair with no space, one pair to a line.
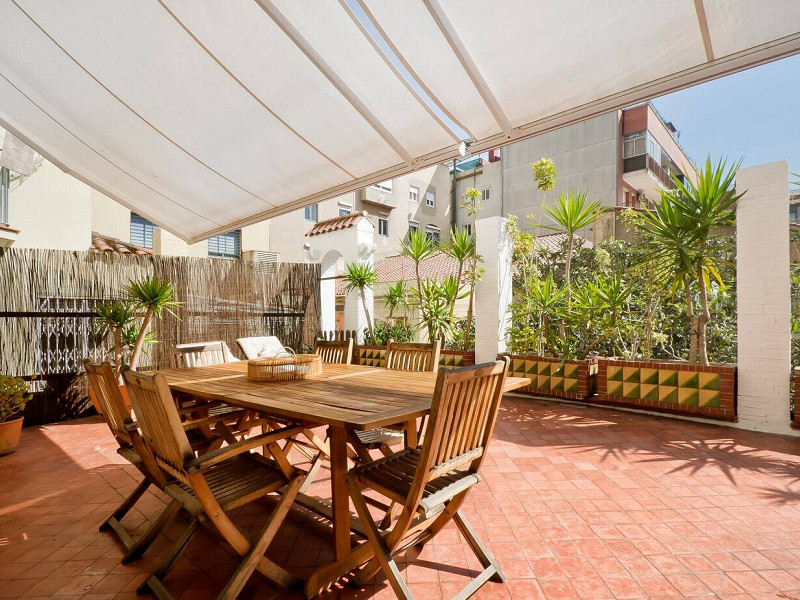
493,291
363,251
763,298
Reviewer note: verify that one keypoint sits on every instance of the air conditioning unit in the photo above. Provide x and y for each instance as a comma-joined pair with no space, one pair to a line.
266,262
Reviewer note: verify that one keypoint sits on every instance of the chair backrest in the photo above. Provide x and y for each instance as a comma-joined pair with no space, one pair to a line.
157,416
105,388
462,418
338,352
402,356
200,354
267,346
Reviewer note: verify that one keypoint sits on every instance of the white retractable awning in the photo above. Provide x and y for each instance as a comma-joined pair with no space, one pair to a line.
205,116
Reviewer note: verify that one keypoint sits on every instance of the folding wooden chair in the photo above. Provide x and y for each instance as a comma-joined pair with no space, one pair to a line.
117,416
331,352
399,357
204,354
432,481
201,354
209,486
334,352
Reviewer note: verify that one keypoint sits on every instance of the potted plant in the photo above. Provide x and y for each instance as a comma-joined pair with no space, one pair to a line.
13,397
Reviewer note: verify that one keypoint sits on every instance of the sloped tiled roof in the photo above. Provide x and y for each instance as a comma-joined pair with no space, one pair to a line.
554,242
401,268
337,223
105,243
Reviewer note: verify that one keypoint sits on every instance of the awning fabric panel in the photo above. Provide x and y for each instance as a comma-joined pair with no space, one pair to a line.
208,116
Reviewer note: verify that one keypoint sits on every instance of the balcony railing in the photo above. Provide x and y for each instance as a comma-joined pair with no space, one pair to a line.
645,161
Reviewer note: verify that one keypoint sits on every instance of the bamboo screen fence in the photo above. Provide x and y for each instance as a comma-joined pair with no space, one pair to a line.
49,296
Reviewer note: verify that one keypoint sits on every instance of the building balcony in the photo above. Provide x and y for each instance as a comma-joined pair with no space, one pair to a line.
378,197
645,175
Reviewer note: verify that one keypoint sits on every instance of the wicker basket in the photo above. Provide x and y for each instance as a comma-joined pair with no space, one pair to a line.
284,367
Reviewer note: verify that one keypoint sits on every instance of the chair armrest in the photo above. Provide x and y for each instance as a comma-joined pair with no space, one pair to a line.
205,461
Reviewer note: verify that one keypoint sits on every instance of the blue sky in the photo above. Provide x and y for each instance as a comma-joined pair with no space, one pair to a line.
754,114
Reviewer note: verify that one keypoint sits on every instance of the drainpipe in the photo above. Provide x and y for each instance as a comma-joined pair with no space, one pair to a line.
454,197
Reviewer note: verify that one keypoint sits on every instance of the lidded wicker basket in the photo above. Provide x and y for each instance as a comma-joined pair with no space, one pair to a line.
284,367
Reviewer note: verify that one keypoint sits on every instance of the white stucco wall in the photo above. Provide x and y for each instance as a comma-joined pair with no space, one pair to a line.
52,210
763,298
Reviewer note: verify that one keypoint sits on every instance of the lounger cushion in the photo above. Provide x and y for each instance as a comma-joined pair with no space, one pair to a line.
253,347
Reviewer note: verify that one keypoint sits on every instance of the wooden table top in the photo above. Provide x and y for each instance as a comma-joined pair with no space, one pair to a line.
350,396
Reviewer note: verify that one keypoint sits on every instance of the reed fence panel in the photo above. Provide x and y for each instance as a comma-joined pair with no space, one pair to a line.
47,324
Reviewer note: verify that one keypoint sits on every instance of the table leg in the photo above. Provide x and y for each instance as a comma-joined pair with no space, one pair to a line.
339,495
411,434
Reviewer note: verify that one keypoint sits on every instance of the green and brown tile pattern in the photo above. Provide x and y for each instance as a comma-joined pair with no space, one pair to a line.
551,377
674,387
375,356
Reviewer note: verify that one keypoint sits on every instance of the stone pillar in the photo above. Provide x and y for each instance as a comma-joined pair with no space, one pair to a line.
763,298
327,291
493,291
364,247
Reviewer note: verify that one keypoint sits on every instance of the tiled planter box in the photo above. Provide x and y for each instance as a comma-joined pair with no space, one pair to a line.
375,356
574,379
673,387
796,421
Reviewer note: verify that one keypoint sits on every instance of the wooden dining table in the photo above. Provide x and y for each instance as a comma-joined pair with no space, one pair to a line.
345,399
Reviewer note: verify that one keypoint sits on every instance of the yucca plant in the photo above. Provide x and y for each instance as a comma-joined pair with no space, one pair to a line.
571,213
112,319
361,276
154,296
460,246
677,231
418,247
396,296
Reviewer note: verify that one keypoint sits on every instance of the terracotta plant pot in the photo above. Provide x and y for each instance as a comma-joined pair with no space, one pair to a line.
9,435
93,398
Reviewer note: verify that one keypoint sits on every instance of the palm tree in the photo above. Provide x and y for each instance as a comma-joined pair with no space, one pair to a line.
154,295
461,246
570,214
418,248
678,230
395,297
360,276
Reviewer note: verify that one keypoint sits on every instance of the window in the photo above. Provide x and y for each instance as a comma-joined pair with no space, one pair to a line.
311,213
383,227
485,194
432,233
386,186
413,193
345,209
430,199
141,231
226,245
5,180
413,226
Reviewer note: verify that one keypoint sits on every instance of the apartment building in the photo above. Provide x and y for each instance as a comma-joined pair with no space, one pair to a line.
624,159
419,201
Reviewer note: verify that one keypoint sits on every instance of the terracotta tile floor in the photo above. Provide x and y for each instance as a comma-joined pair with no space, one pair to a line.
576,503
